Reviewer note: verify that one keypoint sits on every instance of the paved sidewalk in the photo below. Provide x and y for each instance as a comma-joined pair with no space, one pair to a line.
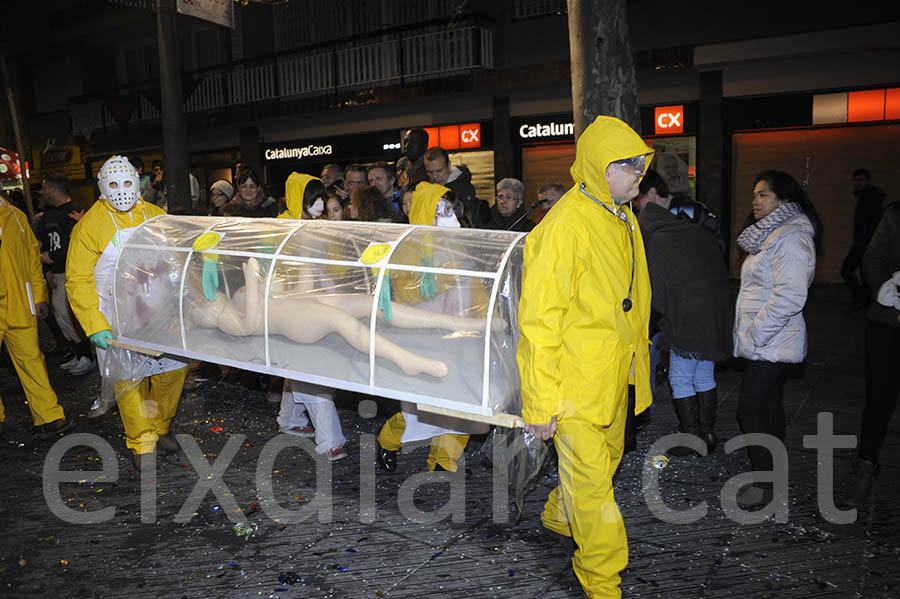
385,554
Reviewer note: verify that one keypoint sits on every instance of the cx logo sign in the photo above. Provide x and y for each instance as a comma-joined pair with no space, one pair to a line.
470,136
669,119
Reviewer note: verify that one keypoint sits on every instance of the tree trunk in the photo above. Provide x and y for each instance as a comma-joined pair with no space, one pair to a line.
177,170
603,79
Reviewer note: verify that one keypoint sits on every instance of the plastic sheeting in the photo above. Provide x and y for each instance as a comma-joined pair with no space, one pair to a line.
297,299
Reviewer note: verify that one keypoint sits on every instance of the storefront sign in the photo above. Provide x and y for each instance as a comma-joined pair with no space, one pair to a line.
455,137
56,156
298,153
551,129
669,119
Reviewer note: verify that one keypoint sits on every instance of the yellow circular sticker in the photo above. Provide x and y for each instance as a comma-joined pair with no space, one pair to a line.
207,241
375,253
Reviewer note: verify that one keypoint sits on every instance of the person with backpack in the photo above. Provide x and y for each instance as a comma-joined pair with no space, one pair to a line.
690,305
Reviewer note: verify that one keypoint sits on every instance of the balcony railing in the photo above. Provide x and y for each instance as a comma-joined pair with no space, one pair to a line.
394,58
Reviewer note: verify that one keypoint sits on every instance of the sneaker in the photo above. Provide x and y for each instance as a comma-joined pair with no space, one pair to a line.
45,431
69,360
83,365
300,431
335,453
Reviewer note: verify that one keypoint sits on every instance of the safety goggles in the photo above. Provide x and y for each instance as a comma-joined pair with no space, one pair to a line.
637,164
445,208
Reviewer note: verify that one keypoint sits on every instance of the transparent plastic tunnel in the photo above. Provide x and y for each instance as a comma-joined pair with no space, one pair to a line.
413,313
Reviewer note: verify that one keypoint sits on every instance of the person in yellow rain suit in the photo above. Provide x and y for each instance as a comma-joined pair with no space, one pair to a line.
431,205
306,200
23,298
583,318
147,408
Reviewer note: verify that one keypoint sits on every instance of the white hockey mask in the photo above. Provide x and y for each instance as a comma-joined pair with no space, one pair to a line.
119,183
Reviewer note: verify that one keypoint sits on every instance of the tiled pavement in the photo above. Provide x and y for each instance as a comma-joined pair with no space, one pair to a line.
486,554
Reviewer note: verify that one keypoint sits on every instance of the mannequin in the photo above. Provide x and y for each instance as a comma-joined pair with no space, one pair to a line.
242,316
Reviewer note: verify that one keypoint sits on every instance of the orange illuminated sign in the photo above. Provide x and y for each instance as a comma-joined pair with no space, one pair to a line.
455,137
892,104
669,119
865,106
470,135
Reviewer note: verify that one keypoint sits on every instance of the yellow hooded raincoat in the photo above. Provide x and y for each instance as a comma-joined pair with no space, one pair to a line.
294,188
22,287
577,347
97,232
446,449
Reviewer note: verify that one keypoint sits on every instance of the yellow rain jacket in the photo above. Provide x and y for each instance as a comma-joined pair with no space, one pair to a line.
20,269
294,188
421,212
90,238
576,342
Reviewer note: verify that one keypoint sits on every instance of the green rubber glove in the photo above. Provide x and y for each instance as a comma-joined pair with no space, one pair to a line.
428,288
210,279
384,299
100,339
265,263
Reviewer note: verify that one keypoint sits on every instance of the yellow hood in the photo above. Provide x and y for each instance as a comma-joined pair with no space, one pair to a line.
605,140
424,203
293,188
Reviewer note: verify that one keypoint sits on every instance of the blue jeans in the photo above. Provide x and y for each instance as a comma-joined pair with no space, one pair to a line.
689,376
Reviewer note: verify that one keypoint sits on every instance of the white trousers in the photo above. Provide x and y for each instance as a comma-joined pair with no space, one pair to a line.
60,303
298,399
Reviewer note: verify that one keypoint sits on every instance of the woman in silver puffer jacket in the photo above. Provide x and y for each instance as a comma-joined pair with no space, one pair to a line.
769,330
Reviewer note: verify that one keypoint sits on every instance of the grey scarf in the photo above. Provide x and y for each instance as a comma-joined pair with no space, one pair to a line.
751,239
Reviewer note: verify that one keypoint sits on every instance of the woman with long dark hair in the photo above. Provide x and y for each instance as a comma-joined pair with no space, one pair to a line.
769,329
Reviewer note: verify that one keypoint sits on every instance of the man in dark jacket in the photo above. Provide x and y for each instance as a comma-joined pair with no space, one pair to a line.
459,180
692,306
508,212
415,142
881,271
865,220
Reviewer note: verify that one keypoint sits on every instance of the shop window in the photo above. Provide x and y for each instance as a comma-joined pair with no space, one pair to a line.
676,161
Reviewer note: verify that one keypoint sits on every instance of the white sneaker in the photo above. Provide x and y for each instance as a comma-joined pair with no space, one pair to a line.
82,366
69,364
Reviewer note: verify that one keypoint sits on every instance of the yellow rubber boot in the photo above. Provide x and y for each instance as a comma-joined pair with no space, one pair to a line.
392,432
165,391
28,360
137,414
446,451
588,457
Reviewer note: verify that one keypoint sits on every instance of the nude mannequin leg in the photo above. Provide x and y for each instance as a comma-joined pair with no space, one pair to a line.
320,320
404,317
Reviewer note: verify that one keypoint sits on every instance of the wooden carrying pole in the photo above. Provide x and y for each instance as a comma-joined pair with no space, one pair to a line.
506,420
134,348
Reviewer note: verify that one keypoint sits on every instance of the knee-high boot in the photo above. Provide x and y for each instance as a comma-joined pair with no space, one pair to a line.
709,401
688,412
